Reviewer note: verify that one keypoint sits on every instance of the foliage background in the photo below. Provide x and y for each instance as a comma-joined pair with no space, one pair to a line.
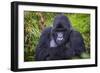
36,22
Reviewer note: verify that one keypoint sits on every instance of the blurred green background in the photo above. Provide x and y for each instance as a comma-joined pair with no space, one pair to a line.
36,22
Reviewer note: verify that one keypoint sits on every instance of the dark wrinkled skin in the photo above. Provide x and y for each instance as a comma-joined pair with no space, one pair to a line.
72,46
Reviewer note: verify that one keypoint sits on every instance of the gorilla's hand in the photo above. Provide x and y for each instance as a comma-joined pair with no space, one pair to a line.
56,53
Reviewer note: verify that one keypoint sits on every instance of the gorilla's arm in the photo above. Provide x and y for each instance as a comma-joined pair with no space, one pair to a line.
42,47
76,45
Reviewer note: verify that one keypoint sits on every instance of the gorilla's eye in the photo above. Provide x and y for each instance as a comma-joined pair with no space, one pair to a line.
60,26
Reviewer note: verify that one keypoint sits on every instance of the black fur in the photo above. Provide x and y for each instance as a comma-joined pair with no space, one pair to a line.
71,46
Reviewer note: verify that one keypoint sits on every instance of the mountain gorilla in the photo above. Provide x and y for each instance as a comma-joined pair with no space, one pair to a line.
59,42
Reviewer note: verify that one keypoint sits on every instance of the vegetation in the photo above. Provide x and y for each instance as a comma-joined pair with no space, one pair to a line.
35,22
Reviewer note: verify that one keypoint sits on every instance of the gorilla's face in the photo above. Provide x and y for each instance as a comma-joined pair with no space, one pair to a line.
61,30
60,35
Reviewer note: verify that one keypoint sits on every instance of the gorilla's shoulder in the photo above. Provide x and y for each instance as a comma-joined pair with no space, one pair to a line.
75,33
46,31
76,36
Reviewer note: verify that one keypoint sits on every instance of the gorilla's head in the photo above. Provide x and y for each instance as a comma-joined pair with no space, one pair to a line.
61,29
